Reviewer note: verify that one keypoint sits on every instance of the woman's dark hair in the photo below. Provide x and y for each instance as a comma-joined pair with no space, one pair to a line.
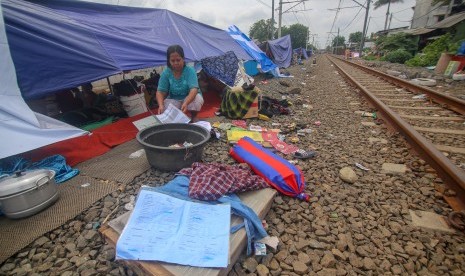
174,49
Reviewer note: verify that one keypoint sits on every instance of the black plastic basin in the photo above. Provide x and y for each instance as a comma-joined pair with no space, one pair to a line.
157,139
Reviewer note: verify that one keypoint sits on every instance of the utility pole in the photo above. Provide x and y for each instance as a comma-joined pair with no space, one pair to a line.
390,20
272,19
306,40
387,15
280,17
281,12
337,41
364,28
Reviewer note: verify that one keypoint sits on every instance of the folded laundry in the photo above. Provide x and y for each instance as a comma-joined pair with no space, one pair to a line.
210,181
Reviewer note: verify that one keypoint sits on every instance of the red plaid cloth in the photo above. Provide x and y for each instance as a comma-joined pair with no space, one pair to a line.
211,181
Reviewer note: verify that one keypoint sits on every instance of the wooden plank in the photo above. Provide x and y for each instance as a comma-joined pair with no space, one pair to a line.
433,118
440,130
259,201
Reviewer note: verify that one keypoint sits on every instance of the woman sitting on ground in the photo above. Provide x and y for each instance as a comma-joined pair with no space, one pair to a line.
178,85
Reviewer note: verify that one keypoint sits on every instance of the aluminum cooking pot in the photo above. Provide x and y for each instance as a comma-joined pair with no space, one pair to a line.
27,193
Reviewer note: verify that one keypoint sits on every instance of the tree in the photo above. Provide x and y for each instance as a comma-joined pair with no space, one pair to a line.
261,30
355,37
311,46
381,3
443,2
299,34
391,43
338,41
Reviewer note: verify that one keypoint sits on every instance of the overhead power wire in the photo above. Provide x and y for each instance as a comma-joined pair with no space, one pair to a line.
393,17
345,28
427,13
402,10
334,21
261,2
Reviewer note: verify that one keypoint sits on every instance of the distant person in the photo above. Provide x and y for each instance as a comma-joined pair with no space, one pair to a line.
88,96
69,100
178,85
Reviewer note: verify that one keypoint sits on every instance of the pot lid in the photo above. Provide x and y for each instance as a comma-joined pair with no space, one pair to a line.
21,181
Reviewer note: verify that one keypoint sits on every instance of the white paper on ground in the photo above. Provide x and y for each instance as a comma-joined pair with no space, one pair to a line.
146,122
137,154
171,115
204,124
271,241
168,229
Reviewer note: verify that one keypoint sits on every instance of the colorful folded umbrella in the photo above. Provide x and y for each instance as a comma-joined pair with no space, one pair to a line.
277,172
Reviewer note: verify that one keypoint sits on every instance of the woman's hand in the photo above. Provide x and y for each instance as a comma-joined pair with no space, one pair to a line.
161,108
160,100
184,107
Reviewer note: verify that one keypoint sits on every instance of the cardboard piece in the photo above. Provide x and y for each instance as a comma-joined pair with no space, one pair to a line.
442,63
253,110
452,68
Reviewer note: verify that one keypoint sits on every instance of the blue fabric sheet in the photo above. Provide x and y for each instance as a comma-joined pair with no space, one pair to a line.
178,187
222,67
56,163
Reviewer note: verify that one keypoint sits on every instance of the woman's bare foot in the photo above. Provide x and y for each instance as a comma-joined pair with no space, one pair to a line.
194,118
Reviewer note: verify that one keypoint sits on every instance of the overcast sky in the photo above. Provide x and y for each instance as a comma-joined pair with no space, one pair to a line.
312,13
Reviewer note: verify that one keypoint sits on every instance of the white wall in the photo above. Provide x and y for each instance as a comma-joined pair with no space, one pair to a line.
425,14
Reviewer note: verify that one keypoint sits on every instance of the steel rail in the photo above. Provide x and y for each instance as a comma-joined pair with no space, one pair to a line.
447,101
451,175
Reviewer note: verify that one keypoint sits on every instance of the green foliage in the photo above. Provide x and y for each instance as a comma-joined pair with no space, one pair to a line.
299,34
355,37
398,56
443,2
397,41
369,57
380,3
338,41
311,46
433,51
261,30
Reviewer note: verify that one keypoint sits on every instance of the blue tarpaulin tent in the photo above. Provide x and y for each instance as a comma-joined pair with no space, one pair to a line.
281,49
301,52
62,44
50,45
252,49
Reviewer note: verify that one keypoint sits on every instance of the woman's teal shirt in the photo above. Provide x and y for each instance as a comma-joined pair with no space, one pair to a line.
178,89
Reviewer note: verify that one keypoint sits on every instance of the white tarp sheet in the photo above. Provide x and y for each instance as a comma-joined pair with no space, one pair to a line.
21,129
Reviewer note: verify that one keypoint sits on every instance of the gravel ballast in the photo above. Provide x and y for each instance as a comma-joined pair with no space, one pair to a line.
357,226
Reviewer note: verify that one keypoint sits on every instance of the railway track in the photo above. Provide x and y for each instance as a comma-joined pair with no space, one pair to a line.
432,123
